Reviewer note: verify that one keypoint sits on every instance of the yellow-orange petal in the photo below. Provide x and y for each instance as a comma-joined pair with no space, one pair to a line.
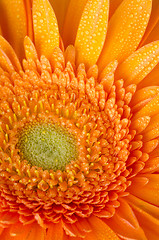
45,28
91,32
140,124
152,27
100,230
5,62
30,51
70,54
144,95
151,79
150,109
154,34
152,131
14,24
114,4
125,224
125,31
6,47
60,9
139,64
28,10
106,77
70,30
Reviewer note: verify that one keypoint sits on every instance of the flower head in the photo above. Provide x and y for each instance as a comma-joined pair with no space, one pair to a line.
79,112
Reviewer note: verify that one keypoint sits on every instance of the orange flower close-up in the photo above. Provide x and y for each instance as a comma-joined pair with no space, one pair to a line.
79,119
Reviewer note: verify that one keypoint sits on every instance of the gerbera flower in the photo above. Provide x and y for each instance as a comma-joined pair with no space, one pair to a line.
79,120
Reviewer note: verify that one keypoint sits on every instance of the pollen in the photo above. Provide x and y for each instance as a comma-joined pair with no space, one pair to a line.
46,145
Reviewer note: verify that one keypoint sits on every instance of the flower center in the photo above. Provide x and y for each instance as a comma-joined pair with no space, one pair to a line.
47,145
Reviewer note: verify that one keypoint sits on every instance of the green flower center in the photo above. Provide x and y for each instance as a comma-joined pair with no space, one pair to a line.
47,145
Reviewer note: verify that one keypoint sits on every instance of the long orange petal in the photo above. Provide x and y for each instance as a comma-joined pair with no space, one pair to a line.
150,109
6,47
28,7
148,216
125,224
139,64
5,62
114,4
14,23
55,230
70,30
36,232
145,94
140,124
92,31
100,230
152,131
153,25
151,79
45,28
125,31
151,165
16,232
60,9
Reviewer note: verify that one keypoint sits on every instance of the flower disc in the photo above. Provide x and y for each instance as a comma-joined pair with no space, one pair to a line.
46,145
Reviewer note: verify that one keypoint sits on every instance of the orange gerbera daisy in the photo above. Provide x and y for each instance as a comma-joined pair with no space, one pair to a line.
79,119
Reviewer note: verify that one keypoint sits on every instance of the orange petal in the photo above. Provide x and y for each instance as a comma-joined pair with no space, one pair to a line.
114,4
45,28
16,232
8,50
125,224
145,208
147,214
152,131
70,30
55,230
30,51
140,124
100,230
14,23
28,9
151,165
36,232
5,62
92,31
150,109
144,95
150,192
151,79
151,230
60,8
135,68
152,32
125,31
70,54
19,231
106,77
150,145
